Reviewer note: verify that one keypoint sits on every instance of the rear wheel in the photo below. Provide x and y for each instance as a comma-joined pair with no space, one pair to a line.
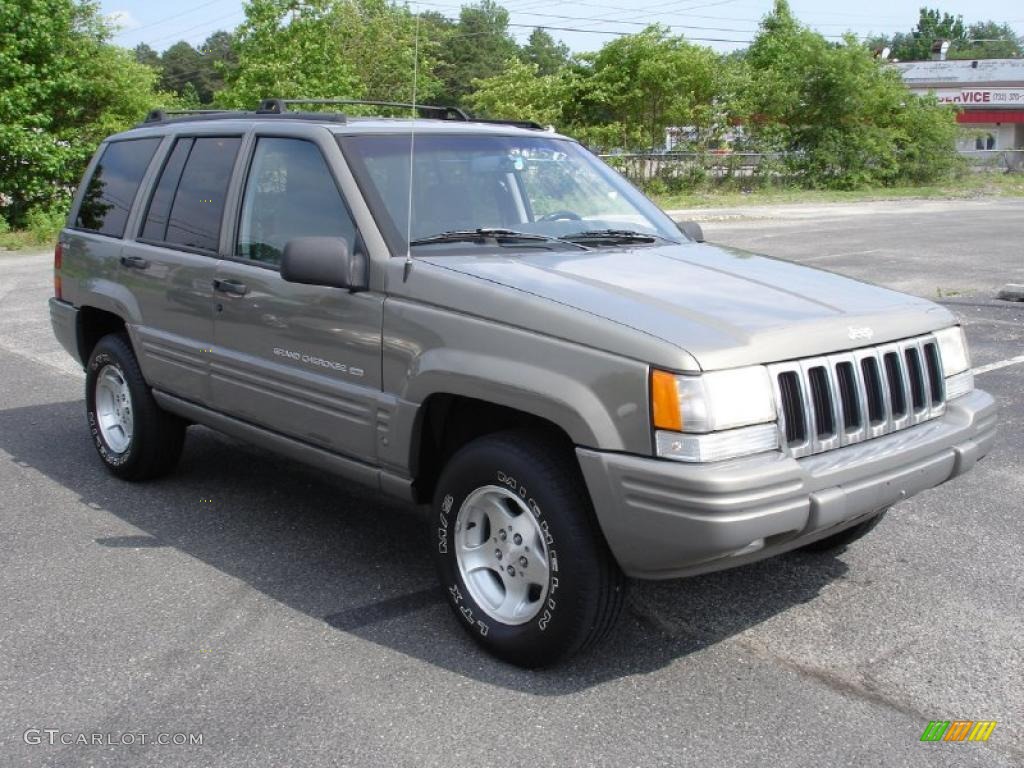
518,552
841,540
135,439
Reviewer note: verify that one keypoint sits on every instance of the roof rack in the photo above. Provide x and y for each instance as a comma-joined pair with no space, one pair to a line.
430,111
279,108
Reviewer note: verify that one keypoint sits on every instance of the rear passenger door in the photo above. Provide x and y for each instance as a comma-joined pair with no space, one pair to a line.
170,266
302,360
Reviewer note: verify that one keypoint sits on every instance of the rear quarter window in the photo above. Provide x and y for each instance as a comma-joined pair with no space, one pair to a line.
111,190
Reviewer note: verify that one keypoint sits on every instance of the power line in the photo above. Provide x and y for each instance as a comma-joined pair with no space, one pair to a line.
168,18
624,33
179,34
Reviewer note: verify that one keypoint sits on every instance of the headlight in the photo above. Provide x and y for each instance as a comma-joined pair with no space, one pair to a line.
956,361
953,350
723,413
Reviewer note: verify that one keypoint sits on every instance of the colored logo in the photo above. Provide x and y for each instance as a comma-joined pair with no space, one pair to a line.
958,730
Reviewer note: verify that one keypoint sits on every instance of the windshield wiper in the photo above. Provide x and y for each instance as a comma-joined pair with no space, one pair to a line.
614,236
488,235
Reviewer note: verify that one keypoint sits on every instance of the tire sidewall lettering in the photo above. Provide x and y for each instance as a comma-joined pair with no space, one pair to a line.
459,597
96,364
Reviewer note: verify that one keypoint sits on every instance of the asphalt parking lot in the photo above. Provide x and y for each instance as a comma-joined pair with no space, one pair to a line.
293,620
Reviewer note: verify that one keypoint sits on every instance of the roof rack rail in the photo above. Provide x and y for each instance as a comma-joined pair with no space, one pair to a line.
160,115
531,124
280,106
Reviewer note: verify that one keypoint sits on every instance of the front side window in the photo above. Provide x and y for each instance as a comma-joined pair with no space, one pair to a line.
111,190
188,204
534,184
289,193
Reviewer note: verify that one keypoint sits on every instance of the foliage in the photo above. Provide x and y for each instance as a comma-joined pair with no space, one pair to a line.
541,50
477,47
989,40
626,94
326,49
63,88
836,117
844,121
521,92
981,40
932,25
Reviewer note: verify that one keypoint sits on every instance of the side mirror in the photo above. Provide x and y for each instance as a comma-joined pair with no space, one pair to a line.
692,230
323,261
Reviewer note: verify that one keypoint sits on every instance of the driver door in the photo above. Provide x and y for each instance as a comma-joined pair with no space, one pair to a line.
302,360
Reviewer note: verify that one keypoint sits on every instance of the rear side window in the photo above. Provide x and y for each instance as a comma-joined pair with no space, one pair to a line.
111,189
188,204
290,193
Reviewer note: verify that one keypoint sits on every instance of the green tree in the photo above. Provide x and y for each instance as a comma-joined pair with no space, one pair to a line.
181,66
636,86
63,88
218,57
989,40
521,92
479,47
326,49
284,50
932,25
547,55
146,55
845,120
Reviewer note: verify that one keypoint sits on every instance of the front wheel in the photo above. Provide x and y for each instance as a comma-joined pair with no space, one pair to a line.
518,551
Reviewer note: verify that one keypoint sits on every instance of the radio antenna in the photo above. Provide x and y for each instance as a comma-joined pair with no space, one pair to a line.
412,149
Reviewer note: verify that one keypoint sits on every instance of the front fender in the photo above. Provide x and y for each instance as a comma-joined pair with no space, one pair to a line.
597,398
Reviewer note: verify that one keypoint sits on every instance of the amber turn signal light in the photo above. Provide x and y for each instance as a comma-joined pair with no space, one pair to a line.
665,413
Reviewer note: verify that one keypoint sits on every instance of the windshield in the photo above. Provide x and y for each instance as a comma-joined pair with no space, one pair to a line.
540,185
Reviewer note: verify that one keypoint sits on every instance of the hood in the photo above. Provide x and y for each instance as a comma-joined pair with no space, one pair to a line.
723,306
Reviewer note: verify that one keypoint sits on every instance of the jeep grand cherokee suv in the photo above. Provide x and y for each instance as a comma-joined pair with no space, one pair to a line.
483,316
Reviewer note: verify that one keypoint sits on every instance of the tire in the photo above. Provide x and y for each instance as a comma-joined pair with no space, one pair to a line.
506,502
135,439
839,541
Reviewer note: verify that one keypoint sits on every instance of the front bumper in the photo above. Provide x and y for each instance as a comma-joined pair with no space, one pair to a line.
664,519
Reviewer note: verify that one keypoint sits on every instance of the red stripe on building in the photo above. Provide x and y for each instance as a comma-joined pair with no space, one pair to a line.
990,116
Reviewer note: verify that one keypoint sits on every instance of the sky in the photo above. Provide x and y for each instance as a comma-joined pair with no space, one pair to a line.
724,25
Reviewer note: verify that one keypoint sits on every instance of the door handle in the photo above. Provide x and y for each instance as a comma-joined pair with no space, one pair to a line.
134,262
231,287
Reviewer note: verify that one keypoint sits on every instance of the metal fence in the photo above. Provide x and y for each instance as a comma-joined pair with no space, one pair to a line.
644,167
691,169
995,159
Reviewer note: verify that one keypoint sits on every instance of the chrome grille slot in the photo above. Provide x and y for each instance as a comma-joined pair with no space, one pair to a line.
916,373
849,395
836,400
873,391
821,400
936,383
894,376
794,424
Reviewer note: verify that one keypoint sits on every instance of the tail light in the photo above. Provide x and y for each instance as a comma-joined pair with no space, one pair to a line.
58,262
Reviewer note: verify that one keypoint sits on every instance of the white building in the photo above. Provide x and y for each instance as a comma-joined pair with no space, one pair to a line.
989,92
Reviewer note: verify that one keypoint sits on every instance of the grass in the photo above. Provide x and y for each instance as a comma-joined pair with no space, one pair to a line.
971,186
26,240
41,232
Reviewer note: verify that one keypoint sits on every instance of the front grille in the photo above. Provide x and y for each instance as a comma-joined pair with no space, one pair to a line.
836,400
